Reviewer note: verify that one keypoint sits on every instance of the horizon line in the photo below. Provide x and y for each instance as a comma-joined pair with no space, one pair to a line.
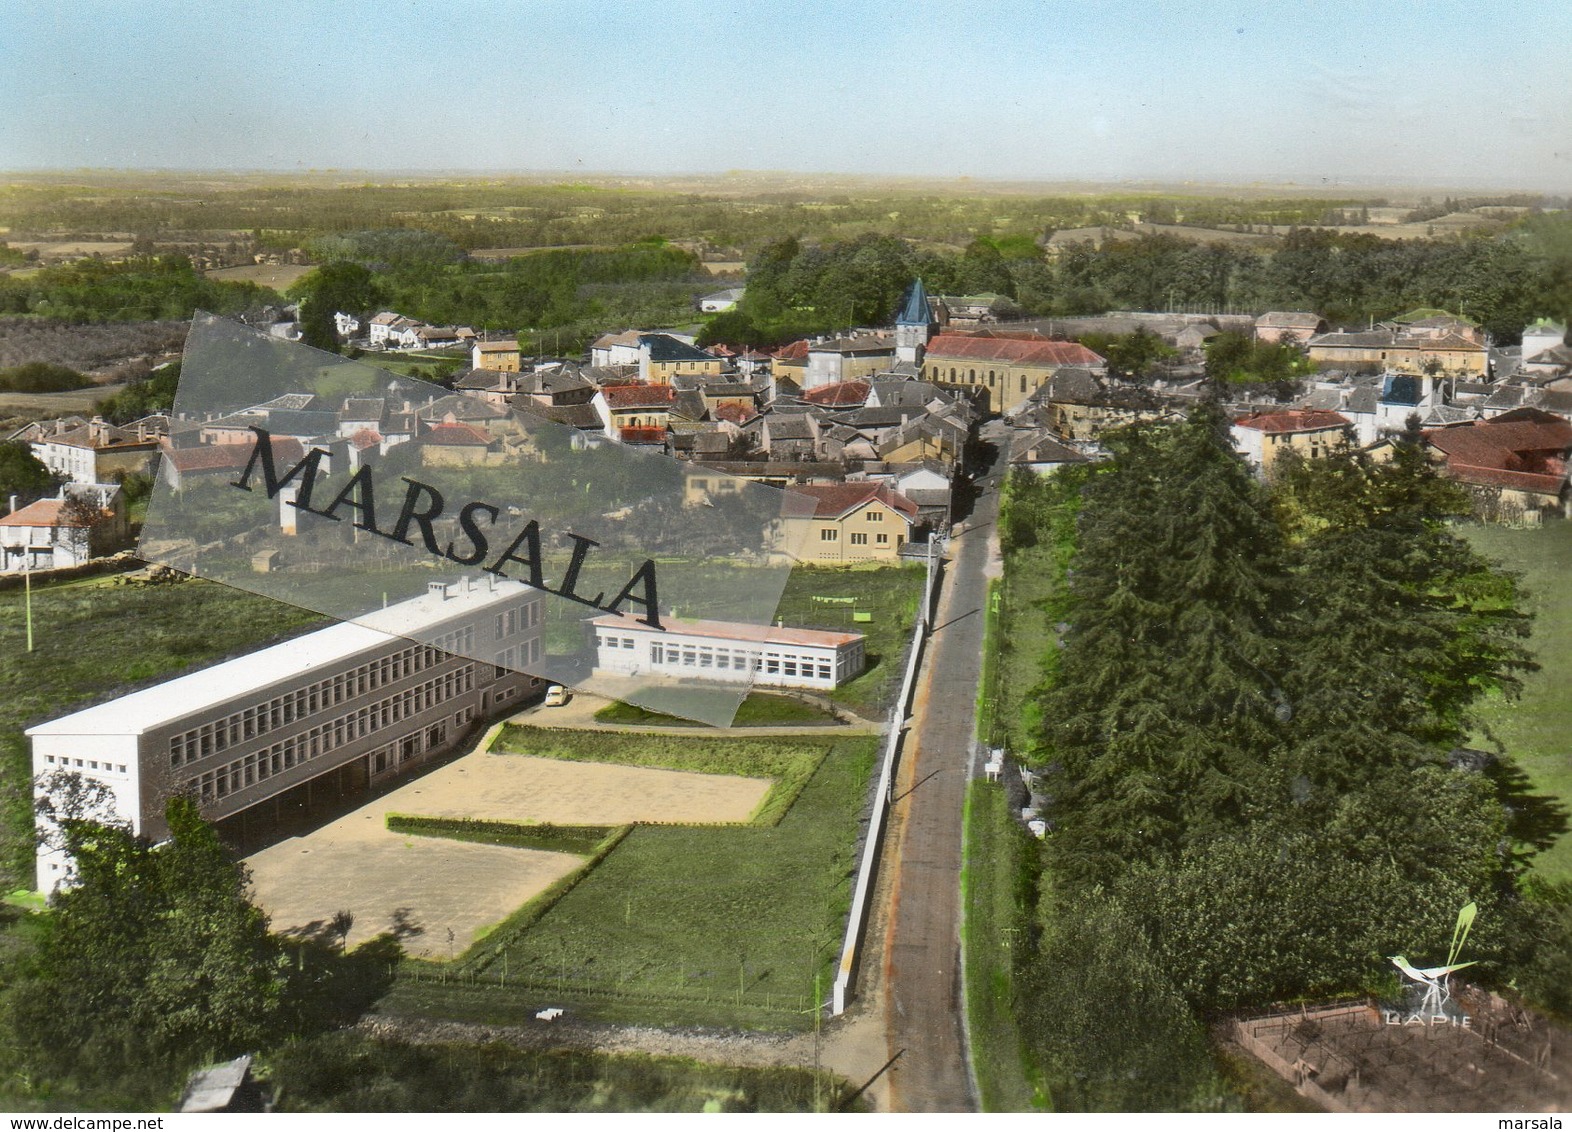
1303,182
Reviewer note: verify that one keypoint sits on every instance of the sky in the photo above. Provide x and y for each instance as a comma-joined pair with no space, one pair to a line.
1330,91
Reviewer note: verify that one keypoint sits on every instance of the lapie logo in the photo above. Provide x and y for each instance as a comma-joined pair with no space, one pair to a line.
1432,985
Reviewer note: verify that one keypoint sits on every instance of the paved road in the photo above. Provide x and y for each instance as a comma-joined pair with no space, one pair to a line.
925,1008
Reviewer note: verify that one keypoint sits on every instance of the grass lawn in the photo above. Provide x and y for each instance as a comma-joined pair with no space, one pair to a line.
1018,651
350,1072
997,852
725,925
760,709
890,594
1537,729
97,640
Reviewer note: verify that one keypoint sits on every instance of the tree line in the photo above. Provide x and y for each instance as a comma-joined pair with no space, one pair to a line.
155,962
140,288
796,287
1254,751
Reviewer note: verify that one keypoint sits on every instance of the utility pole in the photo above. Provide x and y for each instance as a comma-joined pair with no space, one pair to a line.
27,585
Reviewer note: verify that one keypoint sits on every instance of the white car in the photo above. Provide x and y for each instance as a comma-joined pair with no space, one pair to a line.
556,695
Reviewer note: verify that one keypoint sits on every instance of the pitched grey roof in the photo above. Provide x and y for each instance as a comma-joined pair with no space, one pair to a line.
579,416
862,345
689,405
1354,338
602,375
789,426
1038,446
665,348
906,394
363,409
463,408
1363,399
1073,386
1506,397
727,389
1442,415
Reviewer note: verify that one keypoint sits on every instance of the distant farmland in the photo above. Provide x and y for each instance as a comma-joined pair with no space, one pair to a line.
279,276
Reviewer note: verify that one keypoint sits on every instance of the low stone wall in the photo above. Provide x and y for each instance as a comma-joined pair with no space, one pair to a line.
118,564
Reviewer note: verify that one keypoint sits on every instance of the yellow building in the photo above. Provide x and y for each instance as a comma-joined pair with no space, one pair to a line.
1312,433
502,357
1375,351
662,357
852,522
1007,369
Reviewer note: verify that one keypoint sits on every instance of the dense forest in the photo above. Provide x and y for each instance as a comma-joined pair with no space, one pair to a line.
1248,739
1501,282
142,288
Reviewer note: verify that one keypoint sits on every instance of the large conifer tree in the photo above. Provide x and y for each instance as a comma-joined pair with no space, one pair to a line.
1398,625
1167,710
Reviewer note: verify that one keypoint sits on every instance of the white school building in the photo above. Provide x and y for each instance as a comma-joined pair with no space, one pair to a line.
728,651
342,707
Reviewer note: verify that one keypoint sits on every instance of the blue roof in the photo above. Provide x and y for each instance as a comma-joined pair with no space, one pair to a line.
914,311
1402,389
665,348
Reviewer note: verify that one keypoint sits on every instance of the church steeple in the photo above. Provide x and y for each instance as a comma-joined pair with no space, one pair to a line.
914,325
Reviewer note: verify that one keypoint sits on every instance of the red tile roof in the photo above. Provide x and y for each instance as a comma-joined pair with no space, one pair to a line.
643,434
365,438
458,436
1525,450
734,412
797,350
840,394
639,396
832,500
1295,420
44,513
1013,351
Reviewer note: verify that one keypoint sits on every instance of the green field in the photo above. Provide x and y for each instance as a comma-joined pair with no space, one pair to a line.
1020,632
715,925
760,709
94,640
1537,730
889,594
998,862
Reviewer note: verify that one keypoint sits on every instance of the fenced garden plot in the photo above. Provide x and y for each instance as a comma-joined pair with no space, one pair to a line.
719,925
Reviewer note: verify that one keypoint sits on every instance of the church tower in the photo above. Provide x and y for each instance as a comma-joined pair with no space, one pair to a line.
914,326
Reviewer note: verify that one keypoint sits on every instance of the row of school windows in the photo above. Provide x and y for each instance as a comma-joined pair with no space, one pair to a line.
281,711
518,656
858,538
358,724
771,663
971,376
519,618
90,764
262,765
